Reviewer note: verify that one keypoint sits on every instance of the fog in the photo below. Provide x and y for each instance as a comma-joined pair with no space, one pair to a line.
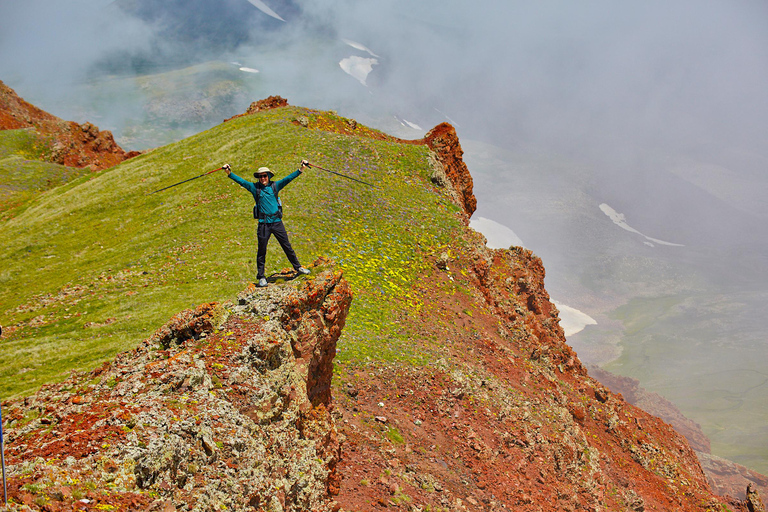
592,77
656,110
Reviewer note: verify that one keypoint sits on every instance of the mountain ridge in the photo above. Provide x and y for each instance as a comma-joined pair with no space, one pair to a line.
65,142
454,387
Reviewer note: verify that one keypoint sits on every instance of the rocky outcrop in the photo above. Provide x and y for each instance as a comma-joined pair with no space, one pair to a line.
730,479
267,104
227,406
442,139
262,105
725,477
654,404
66,142
754,502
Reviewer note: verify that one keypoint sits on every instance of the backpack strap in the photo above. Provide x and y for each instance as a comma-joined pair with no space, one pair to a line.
256,206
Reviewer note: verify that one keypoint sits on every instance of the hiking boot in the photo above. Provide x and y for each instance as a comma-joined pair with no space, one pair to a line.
302,270
262,283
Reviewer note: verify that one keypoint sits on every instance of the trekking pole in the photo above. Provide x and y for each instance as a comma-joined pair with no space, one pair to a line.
190,179
2,456
342,175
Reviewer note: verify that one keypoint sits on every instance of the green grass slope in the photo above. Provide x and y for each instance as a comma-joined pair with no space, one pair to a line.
24,173
94,266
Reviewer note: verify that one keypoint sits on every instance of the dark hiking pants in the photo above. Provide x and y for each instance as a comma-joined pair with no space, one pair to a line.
263,233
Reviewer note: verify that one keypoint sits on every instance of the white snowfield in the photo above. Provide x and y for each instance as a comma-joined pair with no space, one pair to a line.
620,220
249,70
572,320
498,235
358,67
265,9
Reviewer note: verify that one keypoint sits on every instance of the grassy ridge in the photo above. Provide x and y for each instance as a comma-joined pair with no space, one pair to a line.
92,267
24,171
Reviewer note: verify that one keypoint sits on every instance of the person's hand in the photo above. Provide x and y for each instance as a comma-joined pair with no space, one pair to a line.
305,163
227,168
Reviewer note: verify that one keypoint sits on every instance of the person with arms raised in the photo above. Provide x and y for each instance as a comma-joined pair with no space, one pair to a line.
269,211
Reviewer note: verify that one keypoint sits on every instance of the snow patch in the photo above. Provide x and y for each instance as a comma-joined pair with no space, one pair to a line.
358,67
249,70
358,46
413,125
405,122
265,9
572,320
621,221
498,235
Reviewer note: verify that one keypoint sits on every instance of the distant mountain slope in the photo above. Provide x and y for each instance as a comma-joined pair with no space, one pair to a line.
191,31
222,24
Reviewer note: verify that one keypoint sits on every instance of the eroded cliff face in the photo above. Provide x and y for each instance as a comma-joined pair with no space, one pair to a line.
442,139
66,142
504,416
225,407
507,418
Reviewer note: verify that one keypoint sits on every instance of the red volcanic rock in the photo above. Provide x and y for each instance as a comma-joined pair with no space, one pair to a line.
262,105
442,139
68,143
16,113
314,332
226,405
267,104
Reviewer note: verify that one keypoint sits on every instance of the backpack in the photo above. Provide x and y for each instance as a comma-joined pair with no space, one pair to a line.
256,214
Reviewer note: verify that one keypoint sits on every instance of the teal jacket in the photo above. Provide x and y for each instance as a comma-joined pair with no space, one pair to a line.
268,202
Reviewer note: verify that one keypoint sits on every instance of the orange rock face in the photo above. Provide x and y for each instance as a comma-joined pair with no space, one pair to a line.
442,139
68,143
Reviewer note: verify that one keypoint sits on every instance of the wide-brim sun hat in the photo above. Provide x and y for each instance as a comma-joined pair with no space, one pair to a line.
263,170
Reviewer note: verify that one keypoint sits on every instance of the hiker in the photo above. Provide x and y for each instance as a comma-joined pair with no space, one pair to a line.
269,211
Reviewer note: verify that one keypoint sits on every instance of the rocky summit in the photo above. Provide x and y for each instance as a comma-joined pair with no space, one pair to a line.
226,407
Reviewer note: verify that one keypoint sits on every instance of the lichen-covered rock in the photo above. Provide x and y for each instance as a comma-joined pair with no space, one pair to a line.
227,406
